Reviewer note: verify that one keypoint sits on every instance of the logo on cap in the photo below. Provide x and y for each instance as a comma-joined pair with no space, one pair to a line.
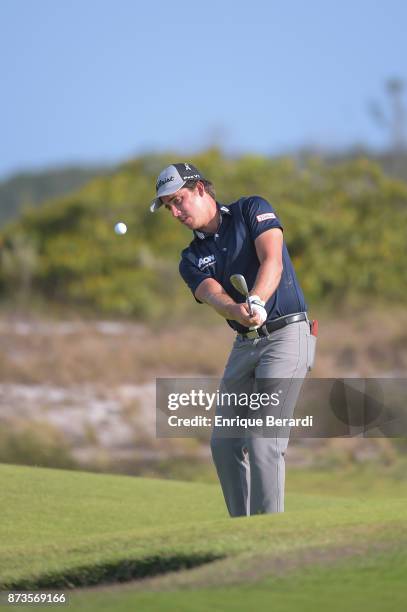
162,182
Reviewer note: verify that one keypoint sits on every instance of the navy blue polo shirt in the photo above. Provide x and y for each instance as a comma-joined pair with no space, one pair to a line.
231,250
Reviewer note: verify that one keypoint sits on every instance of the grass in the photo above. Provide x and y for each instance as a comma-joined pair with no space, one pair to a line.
335,542
376,584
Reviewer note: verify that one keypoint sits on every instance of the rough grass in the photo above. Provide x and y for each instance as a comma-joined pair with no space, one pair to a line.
68,353
357,343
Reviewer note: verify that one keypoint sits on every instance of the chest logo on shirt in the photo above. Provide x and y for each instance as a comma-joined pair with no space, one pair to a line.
205,262
265,216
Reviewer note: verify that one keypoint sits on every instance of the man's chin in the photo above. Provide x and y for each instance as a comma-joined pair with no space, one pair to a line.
189,223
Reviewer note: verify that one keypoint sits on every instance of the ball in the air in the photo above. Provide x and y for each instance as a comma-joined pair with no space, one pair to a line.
120,228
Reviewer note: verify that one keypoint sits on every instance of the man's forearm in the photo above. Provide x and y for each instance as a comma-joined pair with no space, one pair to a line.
267,279
219,300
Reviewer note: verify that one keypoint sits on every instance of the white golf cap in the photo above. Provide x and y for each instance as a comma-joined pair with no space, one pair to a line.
171,179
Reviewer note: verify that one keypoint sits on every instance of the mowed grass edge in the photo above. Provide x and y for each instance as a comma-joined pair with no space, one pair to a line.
375,582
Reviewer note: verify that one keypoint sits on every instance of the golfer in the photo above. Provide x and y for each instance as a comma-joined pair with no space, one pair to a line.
272,343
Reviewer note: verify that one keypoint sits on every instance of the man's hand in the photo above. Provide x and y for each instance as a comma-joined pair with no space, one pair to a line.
212,293
257,306
240,313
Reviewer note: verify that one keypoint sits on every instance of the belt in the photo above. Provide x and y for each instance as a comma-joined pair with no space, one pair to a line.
267,328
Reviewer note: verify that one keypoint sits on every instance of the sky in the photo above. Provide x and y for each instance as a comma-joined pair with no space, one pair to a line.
101,81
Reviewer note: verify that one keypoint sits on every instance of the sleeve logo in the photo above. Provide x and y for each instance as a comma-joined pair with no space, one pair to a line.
265,216
205,262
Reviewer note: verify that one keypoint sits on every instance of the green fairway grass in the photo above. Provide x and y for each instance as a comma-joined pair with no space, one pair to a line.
64,529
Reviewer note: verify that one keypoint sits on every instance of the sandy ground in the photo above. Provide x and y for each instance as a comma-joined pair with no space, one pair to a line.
94,382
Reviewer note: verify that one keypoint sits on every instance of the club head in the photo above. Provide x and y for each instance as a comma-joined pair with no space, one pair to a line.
239,283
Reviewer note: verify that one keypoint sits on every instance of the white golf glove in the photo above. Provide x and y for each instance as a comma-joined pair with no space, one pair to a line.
257,306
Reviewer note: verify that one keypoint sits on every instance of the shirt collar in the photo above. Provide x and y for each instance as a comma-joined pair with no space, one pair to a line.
224,210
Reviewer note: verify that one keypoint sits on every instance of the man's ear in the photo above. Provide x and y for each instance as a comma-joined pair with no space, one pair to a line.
201,188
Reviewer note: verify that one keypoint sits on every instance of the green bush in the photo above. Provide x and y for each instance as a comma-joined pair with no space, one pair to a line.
344,224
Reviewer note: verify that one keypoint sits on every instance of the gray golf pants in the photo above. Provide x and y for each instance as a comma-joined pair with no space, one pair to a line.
251,468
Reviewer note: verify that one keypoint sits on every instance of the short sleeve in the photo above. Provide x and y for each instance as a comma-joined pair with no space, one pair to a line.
260,216
192,275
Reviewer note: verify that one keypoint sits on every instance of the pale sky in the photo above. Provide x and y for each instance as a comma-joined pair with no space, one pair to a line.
103,80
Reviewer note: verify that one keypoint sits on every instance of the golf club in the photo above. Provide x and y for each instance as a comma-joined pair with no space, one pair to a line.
239,283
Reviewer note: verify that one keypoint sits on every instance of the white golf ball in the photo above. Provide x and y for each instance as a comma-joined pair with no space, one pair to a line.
120,228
